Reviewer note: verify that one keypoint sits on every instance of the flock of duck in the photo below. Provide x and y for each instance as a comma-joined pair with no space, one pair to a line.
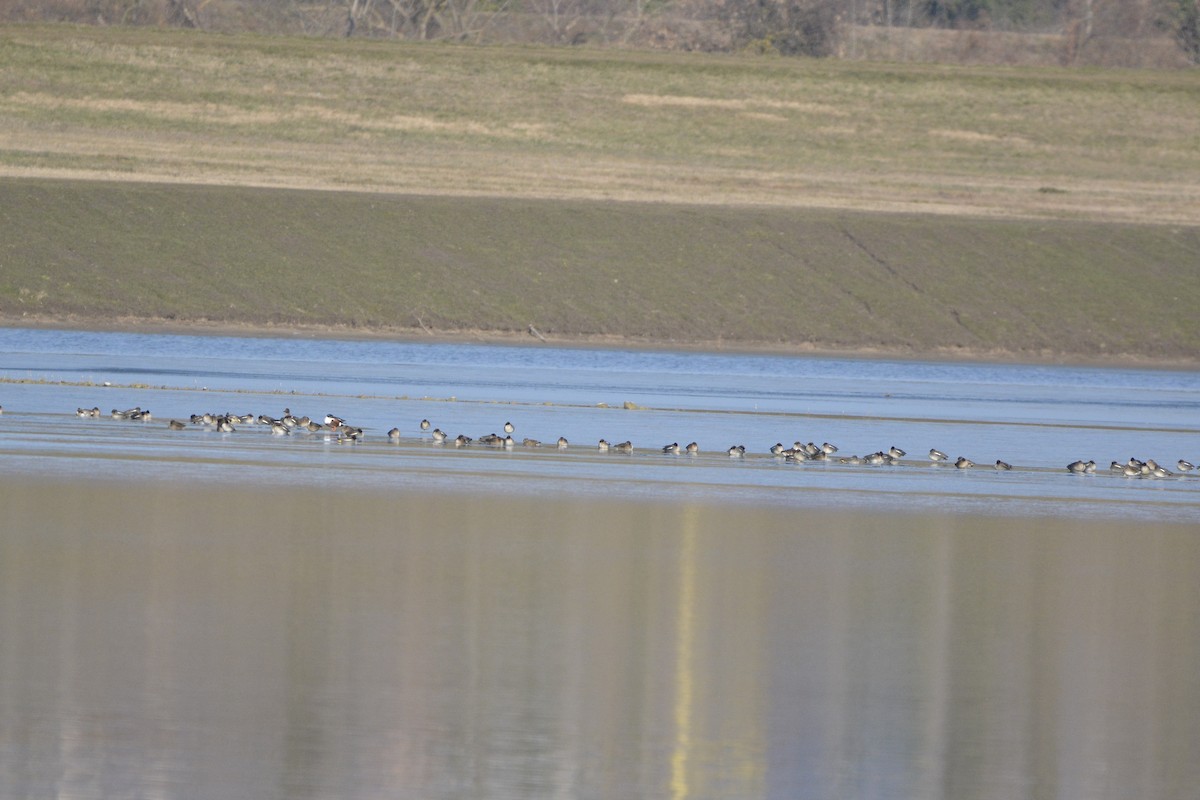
338,429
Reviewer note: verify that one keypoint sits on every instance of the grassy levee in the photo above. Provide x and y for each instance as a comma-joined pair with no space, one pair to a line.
741,276
688,198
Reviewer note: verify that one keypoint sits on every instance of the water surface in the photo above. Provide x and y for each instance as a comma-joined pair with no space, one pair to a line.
189,614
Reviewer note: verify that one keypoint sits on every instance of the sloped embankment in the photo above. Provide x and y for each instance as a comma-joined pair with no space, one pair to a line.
648,272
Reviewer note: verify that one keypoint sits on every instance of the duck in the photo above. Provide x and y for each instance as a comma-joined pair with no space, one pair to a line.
424,424
439,435
603,446
279,428
334,422
1002,465
562,443
462,440
394,435
530,443
692,448
672,448
1081,467
829,449
737,451
623,447
1185,466
508,427
509,442
176,425
896,452
313,426
88,412
964,463
1130,471
936,455
224,425
777,449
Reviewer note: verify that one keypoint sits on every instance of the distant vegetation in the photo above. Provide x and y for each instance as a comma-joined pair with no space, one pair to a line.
1131,33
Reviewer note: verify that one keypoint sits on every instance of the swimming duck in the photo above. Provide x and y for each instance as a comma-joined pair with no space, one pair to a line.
692,448
88,412
394,434
439,435
1002,464
424,424
937,455
1185,466
176,425
508,427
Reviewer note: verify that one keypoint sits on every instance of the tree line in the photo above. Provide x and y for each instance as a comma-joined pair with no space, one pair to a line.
787,27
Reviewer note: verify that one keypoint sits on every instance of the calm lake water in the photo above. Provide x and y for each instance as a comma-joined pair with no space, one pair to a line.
196,614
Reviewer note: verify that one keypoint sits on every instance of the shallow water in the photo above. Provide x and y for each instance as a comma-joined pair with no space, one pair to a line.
194,614
1037,418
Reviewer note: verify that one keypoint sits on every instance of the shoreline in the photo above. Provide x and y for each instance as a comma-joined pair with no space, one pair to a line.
151,325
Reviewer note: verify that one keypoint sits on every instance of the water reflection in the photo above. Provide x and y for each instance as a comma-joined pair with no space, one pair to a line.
215,641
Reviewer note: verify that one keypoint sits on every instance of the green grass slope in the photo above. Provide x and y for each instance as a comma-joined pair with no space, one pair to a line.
656,272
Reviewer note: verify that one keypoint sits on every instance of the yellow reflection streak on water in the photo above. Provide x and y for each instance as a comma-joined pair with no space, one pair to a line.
684,653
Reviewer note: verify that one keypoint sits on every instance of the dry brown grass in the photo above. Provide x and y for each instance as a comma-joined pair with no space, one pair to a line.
176,107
